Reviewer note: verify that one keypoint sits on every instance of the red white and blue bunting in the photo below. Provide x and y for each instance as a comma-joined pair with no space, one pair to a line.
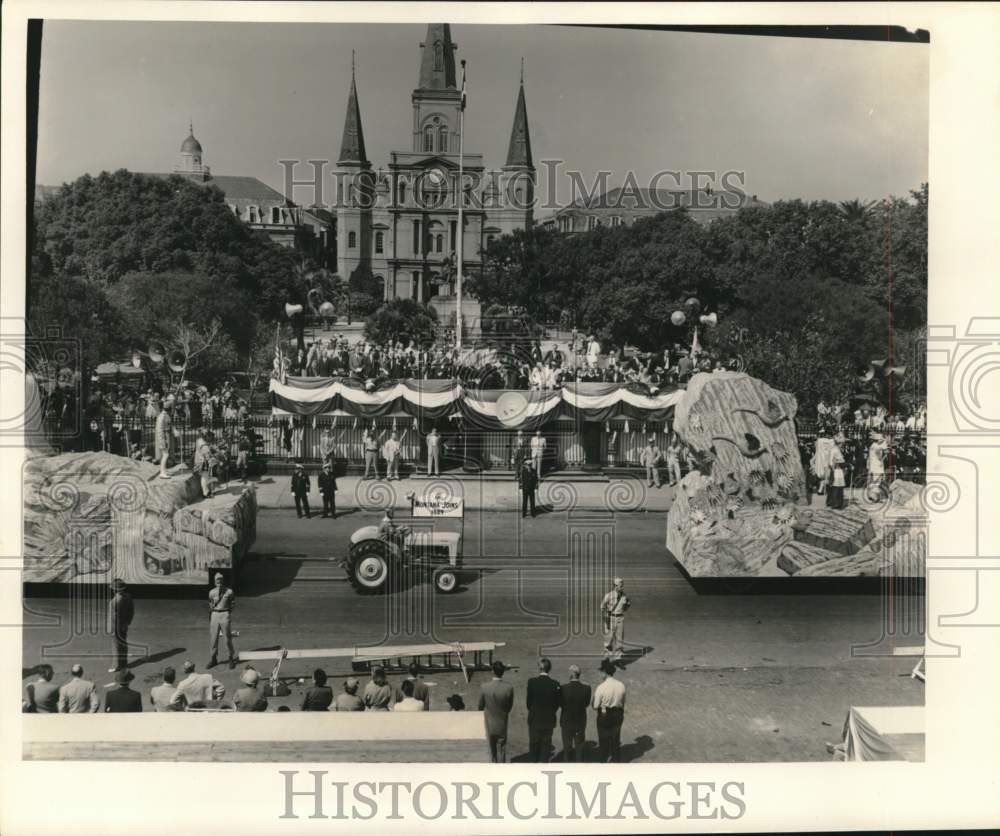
431,400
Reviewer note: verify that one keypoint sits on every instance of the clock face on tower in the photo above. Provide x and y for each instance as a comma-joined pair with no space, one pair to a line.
434,188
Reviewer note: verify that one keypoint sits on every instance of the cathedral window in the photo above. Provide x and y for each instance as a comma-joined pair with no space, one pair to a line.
454,228
352,240
438,243
428,139
402,192
443,138
379,241
275,215
416,237
438,56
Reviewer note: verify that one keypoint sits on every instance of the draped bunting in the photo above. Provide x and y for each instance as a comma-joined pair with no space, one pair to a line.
492,409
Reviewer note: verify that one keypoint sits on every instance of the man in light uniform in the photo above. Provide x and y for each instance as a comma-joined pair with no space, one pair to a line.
390,452
609,703
221,599
164,435
537,451
433,452
613,608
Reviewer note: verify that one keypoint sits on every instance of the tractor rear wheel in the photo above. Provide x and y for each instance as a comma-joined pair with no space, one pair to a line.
369,567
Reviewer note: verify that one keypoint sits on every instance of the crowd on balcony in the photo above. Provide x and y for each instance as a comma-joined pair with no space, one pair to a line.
492,365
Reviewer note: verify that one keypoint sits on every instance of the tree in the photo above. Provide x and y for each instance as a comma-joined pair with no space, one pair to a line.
365,292
402,319
106,227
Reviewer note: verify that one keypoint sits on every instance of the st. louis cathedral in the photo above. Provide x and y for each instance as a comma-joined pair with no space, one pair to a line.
401,221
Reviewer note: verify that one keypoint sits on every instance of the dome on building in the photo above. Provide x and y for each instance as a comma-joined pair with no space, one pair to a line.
191,145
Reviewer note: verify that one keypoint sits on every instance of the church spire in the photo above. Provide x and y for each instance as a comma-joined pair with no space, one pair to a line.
437,59
519,149
352,146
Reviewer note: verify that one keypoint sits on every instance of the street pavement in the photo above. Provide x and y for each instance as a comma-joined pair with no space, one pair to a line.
479,492
742,673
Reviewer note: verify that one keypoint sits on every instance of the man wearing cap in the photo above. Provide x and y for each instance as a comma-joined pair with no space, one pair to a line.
120,614
123,699
164,435
496,699
609,703
195,690
574,699
328,489
300,490
613,607
248,698
349,700
78,696
220,601
649,459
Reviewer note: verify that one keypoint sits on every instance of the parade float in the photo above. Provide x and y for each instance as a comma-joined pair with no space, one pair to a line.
94,517
745,511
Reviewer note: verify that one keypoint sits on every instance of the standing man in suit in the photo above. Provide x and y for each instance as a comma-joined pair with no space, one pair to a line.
123,699
328,489
574,699
300,490
496,699
390,452
649,458
543,700
120,614
529,484
43,695
220,601
518,451
433,452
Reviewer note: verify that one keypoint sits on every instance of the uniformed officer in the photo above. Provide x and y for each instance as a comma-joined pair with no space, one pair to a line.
433,452
220,600
613,608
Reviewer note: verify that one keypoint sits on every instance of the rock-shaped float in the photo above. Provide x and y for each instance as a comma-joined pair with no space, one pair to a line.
744,512
93,517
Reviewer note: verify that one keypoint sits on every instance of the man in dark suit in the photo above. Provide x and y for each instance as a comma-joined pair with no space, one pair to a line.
300,491
543,703
123,698
529,483
575,700
496,699
120,613
328,490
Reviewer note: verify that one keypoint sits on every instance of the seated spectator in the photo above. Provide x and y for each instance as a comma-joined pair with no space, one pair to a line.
162,694
408,703
248,698
420,690
349,700
123,699
43,695
456,703
319,697
195,690
283,708
378,693
78,696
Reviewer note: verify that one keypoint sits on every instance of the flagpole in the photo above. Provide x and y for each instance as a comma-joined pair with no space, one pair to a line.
461,202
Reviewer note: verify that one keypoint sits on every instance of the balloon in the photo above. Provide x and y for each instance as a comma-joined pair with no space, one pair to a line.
678,318
326,309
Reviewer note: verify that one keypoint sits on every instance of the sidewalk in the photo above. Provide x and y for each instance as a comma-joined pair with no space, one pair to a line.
273,491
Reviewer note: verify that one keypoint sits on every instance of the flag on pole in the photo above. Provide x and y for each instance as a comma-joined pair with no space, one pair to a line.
463,85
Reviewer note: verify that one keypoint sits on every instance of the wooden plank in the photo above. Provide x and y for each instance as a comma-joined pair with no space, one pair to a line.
362,653
795,556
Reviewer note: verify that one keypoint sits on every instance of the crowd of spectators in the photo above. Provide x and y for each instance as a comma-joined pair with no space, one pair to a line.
870,416
494,364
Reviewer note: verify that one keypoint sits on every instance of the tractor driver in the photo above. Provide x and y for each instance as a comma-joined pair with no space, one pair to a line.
389,531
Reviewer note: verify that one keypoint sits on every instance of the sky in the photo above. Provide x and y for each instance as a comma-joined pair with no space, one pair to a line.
803,118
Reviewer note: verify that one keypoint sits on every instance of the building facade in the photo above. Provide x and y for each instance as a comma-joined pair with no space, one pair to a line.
311,231
401,221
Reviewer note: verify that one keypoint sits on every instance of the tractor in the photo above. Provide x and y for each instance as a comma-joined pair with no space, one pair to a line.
381,553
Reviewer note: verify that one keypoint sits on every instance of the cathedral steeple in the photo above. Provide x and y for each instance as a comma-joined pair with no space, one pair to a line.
352,146
437,60
519,149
